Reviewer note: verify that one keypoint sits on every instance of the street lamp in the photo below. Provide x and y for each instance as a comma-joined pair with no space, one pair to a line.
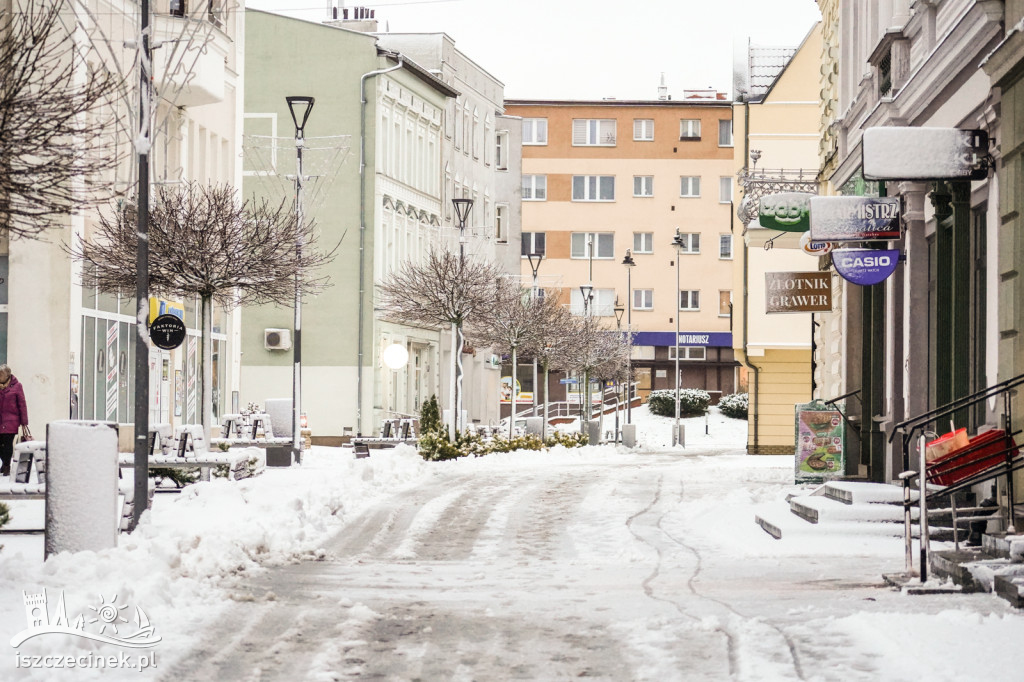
677,242
534,267
300,108
588,292
462,209
619,310
629,263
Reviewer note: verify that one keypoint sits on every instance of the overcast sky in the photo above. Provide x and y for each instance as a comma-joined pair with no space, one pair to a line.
590,49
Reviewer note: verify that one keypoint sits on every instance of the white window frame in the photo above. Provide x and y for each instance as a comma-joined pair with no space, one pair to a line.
501,223
643,299
594,132
645,185
692,296
603,243
643,242
593,187
643,130
722,123
726,312
689,186
689,129
602,302
531,237
725,247
690,243
501,150
725,189
688,352
531,181
535,131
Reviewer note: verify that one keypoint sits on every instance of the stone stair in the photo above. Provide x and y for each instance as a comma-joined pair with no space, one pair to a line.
997,567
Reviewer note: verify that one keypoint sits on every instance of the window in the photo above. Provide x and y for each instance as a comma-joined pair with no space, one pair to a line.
501,150
689,129
535,131
725,133
724,303
533,242
689,299
689,186
593,188
725,246
602,243
601,304
643,185
643,242
643,129
593,132
690,242
643,299
501,222
687,352
725,190
535,187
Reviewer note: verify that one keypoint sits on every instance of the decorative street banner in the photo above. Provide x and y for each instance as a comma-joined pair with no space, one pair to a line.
844,219
820,442
865,266
899,153
786,211
798,292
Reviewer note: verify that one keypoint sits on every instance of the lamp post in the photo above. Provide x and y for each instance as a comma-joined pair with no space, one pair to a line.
534,267
629,263
587,290
677,242
462,208
619,310
300,108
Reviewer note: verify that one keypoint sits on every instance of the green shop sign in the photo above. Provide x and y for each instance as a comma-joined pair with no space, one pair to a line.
786,211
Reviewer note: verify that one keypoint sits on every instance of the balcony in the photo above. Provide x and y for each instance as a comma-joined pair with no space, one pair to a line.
190,51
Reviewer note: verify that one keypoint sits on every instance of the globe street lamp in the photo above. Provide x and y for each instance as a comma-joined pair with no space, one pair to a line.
300,108
462,209
629,263
677,242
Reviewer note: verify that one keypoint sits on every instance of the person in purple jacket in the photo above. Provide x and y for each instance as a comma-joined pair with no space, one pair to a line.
13,415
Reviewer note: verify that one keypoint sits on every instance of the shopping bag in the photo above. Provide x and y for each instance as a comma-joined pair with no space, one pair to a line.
943,445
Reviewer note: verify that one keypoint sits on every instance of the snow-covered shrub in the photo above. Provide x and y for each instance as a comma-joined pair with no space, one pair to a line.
525,442
5,514
734,405
569,440
692,402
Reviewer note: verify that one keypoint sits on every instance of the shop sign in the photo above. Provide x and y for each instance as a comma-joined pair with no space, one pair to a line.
798,292
785,211
167,331
844,219
814,248
908,153
865,266
820,442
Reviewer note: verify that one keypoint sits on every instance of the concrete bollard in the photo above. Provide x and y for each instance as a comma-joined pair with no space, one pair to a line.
629,435
593,432
681,436
533,425
81,487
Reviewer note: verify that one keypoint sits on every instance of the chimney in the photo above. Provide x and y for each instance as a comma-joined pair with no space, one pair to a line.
662,89
360,19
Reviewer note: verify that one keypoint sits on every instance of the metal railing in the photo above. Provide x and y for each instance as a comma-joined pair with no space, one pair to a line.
996,462
842,413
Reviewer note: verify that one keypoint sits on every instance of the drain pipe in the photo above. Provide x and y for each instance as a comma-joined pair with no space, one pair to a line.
746,295
362,237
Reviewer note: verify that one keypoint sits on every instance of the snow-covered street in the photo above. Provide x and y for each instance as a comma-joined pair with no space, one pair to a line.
593,562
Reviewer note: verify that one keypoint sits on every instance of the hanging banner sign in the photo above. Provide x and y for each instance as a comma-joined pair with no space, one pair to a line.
785,211
813,248
798,292
865,266
845,219
908,153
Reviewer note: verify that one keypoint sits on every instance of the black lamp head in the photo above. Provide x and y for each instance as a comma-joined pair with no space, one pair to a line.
300,106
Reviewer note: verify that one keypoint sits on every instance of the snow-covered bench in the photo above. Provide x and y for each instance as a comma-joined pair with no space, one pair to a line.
190,451
392,432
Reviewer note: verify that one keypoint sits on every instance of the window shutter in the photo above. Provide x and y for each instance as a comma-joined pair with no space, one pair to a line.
579,131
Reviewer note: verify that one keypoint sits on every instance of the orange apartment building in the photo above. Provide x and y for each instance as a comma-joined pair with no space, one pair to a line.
603,177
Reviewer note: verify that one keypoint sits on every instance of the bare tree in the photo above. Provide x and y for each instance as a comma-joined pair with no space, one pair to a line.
52,158
614,348
516,322
550,350
204,242
442,291
588,344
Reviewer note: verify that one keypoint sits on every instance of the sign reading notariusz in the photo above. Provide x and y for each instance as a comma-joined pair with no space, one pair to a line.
798,292
844,219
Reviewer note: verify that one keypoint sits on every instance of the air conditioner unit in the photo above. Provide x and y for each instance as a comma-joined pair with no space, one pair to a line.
277,339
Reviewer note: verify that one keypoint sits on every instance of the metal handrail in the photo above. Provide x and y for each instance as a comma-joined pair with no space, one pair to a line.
842,414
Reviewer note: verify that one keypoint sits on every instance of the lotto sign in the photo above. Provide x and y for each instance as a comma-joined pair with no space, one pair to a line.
865,266
844,219
813,248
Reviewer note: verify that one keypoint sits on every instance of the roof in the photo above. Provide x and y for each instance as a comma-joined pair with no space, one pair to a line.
419,71
620,102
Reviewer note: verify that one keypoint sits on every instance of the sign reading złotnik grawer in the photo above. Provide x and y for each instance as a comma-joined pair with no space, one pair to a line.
844,219
798,292
785,211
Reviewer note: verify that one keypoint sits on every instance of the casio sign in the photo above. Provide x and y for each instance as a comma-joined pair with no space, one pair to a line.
865,266
866,262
